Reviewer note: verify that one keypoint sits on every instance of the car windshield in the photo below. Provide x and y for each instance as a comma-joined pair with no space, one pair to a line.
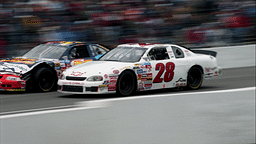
124,54
46,51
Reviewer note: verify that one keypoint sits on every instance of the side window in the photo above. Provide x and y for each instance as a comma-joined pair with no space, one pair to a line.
158,54
97,50
78,52
177,52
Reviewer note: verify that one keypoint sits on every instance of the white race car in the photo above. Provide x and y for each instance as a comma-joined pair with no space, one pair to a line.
139,67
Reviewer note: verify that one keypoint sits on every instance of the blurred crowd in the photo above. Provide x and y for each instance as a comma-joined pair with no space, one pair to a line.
193,23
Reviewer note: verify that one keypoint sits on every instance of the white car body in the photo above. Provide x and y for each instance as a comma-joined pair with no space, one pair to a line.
149,73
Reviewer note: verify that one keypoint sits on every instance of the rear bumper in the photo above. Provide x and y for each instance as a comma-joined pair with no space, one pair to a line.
212,72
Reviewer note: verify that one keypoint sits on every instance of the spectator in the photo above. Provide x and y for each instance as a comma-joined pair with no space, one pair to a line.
3,47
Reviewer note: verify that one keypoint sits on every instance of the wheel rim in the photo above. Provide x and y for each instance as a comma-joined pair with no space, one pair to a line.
194,78
126,84
46,80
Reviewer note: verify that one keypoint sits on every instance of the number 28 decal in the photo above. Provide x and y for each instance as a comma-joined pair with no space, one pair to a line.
168,75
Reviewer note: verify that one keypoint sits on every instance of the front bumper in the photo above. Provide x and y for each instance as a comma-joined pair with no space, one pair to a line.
75,87
12,85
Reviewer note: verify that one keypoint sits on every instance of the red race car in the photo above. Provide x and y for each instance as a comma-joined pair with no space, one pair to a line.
11,82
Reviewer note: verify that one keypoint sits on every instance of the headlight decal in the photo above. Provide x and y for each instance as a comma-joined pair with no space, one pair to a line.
95,78
12,78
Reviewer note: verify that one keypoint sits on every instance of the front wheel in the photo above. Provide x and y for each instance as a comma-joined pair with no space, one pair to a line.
126,84
44,79
195,78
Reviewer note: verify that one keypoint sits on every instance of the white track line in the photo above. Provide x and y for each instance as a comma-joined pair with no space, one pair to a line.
105,103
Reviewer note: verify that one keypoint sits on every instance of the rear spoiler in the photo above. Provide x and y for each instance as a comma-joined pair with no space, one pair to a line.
206,52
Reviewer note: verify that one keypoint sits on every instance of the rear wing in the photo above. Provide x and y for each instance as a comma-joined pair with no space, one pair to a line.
206,52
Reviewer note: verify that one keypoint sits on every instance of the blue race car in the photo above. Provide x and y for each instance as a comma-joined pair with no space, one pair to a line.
41,67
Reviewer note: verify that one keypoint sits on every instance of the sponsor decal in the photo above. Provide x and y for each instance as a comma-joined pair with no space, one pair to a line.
136,67
76,73
209,74
139,76
144,75
213,68
105,82
77,62
141,71
67,61
103,86
12,69
72,83
22,68
112,87
147,85
105,76
180,84
207,69
28,62
140,85
68,65
127,67
181,80
113,77
145,58
146,65
62,65
116,71
149,78
143,79
89,60
57,68
210,69
113,81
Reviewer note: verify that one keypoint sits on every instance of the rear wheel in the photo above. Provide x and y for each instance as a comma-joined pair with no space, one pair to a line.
126,84
44,79
195,78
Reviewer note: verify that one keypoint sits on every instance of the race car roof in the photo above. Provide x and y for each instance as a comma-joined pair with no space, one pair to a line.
143,45
65,43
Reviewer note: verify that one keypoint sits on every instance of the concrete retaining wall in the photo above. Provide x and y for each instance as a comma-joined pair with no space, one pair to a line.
237,56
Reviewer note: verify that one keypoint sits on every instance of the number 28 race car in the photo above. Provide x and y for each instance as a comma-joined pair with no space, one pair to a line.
139,67
40,68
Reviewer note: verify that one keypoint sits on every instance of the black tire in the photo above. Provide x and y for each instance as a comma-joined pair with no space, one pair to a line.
195,78
126,84
44,80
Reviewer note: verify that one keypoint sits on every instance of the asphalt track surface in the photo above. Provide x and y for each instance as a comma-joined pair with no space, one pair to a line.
20,102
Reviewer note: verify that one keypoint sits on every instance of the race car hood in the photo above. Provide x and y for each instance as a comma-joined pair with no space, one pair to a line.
97,68
21,65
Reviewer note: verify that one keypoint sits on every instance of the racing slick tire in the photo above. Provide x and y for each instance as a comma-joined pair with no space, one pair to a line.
195,78
126,84
44,80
